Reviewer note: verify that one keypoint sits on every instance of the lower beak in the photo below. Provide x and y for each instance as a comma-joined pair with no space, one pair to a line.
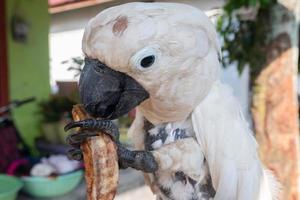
107,93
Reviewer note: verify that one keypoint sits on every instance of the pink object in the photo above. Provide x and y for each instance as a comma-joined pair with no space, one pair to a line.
15,164
132,113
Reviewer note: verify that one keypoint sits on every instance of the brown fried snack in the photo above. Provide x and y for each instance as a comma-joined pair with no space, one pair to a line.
100,161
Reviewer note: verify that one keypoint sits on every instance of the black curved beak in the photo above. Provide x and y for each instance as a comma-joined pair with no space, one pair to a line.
107,93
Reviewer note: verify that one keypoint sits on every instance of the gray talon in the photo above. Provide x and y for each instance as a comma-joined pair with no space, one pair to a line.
75,154
146,161
75,139
140,160
106,126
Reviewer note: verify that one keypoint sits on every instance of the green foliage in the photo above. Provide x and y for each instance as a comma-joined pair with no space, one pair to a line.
233,5
54,108
244,39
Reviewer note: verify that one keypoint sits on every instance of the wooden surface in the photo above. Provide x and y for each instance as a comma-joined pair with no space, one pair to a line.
3,57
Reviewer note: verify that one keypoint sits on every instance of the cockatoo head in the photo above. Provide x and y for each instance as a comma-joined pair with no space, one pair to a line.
163,57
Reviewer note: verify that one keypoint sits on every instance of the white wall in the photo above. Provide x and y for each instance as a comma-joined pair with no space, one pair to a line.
65,42
63,46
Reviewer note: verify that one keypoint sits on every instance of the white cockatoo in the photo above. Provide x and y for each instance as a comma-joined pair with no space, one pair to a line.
191,138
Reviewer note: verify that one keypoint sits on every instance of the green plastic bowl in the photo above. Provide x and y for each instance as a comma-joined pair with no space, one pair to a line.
51,187
9,187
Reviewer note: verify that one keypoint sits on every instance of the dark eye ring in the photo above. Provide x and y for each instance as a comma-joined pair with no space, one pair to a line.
147,61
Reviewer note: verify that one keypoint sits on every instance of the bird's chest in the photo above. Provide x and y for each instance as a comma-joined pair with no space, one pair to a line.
158,136
173,186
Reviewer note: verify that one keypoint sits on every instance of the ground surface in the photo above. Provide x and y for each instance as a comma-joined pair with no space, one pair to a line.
131,187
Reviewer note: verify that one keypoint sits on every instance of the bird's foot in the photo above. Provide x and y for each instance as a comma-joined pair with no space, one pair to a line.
105,126
140,160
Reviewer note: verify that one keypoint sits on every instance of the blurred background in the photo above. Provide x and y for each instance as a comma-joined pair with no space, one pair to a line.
40,63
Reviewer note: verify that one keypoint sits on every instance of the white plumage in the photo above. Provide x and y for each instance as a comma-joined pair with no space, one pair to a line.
192,123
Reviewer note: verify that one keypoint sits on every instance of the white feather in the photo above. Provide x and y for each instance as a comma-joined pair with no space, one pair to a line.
186,46
230,148
182,83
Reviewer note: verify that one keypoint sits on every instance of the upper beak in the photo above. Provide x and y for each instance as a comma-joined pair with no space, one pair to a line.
107,93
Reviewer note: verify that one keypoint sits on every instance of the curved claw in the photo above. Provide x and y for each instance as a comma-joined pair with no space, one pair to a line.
104,125
75,139
75,154
73,125
89,123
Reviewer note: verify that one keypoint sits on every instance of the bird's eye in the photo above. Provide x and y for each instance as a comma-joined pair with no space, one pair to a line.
147,61
146,58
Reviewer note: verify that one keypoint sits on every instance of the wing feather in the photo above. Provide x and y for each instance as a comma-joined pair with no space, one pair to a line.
230,147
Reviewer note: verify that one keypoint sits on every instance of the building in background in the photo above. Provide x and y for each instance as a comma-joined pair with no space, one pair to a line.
24,59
